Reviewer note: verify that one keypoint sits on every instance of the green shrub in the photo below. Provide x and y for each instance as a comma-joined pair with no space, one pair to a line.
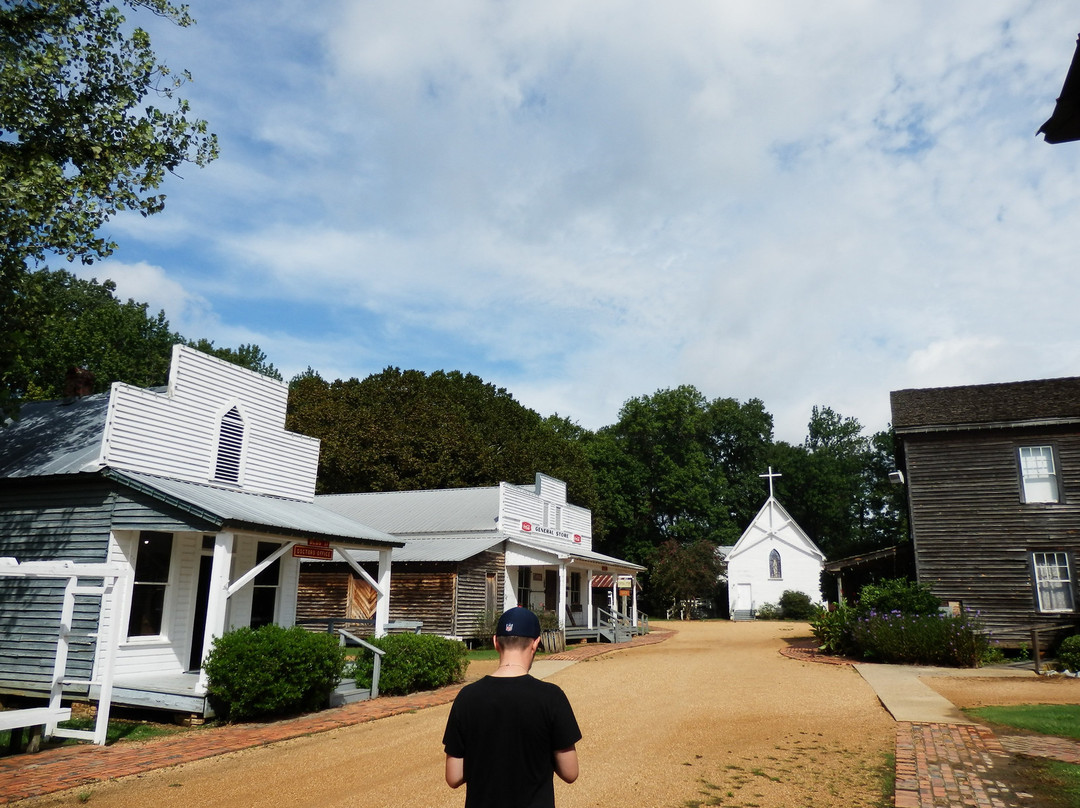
1069,653
271,671
797,606
768,611
898,595
413,662
921,639
834,630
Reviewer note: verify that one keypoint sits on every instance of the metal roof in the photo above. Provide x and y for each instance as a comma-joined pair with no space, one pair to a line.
453,548
584,555
404,513
53,437
255,512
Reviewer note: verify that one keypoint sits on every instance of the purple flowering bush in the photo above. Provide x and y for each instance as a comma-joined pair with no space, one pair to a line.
899,622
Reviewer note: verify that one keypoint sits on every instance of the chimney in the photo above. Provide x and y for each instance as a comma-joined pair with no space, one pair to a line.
78,382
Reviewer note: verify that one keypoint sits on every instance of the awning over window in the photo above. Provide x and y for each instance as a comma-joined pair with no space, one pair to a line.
603,581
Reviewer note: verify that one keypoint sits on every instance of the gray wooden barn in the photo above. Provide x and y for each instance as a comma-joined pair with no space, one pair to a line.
993,482
198,504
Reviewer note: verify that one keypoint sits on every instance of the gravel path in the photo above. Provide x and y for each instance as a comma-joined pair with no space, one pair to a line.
713,716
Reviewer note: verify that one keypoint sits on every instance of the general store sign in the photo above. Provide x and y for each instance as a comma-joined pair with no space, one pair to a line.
529,527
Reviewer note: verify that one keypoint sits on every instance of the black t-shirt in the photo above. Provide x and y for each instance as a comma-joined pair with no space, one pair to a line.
507,729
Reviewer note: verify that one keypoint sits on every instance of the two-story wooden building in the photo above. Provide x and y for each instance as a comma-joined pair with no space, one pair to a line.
993,481
197,504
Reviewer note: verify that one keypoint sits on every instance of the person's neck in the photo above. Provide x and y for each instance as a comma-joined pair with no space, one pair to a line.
512,667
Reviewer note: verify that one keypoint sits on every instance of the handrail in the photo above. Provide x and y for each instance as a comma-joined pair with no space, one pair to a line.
377,668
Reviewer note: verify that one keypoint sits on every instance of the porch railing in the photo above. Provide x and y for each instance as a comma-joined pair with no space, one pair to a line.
346,637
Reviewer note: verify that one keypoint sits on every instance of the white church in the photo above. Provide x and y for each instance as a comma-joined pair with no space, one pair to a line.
772,556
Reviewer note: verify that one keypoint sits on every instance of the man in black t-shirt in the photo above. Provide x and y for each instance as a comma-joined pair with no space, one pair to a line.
509,733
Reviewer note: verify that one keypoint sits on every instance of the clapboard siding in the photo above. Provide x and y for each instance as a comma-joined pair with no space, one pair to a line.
175,434
974,536
69,520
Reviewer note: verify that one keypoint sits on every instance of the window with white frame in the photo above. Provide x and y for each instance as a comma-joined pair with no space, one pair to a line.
1053,582
1038,474
153,559
524,586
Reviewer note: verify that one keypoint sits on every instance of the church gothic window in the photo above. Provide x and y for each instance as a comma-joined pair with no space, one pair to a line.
774,565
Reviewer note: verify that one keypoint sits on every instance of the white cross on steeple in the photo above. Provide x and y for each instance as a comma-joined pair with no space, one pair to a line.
771,475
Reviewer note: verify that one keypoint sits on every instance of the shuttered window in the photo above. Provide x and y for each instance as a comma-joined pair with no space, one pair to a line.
1038,474
1053,582
230,447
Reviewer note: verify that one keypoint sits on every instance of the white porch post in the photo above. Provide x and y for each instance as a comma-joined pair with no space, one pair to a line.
633,596
562,593
218,598
589,604
382,604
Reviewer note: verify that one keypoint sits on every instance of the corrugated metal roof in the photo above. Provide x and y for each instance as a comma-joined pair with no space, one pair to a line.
583,555
53,437
403,513
453,548
258,512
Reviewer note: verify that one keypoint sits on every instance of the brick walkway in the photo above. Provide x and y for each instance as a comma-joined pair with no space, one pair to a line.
64,767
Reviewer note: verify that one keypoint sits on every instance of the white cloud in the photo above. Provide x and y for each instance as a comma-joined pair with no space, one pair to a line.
584,202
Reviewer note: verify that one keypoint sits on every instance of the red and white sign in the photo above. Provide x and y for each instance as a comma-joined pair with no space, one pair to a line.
320,553
526,527
577,538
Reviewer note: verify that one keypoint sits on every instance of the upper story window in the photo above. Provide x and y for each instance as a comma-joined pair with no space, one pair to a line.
774,565
230,447
1053,582
1038,474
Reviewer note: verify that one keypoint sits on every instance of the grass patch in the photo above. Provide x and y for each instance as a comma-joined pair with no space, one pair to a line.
120,729
1061,720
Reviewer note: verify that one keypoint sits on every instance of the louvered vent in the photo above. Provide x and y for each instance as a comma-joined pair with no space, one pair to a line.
230,443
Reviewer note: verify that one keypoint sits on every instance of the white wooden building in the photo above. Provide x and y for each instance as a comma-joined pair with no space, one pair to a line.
474,550
201,498
772,556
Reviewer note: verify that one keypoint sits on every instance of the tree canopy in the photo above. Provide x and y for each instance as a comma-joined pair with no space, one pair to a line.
676,466
79,323
89,126
407,429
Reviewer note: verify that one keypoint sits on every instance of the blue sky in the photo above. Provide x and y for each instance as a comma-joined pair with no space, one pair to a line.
806,203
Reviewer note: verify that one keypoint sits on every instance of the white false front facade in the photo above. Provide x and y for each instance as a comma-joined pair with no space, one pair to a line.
550,563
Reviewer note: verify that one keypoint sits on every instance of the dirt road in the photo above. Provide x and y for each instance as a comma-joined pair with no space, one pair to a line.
715,714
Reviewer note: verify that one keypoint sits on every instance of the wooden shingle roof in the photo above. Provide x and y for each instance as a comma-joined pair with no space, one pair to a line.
985,404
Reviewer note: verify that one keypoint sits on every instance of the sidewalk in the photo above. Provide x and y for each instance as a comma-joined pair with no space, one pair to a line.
65,767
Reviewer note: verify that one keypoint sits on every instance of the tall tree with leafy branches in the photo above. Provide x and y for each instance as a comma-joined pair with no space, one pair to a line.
90,125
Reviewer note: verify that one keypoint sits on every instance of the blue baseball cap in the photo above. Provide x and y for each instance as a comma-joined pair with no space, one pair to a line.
518,622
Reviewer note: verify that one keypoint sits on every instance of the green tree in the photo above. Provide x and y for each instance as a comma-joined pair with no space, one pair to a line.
248,356
80,323
79,141
836,486
679,467
683,573
399,430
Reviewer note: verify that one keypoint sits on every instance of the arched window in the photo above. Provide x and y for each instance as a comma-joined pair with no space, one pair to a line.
774,565
230,447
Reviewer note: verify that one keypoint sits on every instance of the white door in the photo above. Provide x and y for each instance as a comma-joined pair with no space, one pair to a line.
744,600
